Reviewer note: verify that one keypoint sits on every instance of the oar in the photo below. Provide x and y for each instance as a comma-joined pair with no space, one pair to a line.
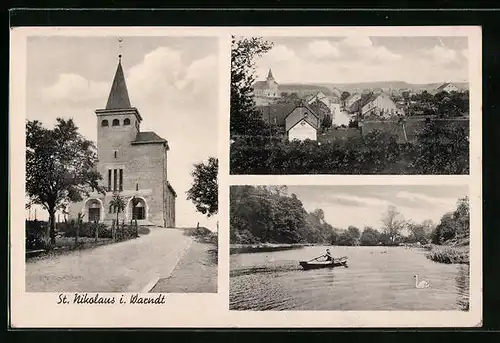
315,258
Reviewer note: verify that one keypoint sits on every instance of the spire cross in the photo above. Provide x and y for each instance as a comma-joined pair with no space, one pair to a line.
120,40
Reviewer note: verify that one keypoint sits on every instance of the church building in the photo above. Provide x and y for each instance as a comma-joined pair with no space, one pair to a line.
266,92
132,163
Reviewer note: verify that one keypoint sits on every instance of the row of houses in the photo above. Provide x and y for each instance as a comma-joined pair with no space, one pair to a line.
302,120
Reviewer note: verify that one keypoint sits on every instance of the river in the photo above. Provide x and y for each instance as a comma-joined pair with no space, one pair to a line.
377,278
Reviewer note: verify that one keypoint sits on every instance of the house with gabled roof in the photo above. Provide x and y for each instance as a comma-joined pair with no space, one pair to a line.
133,163
302,123
337,92
447,87
350,100
380,105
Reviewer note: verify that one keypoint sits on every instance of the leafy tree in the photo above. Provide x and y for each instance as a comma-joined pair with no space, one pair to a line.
445,230
442,149
334,237
60,167
393,224
454,224
259,214
245,119
344,96
462,217
320,214
204,191
118,205
417,233
326,123
369,237
346,239
354,231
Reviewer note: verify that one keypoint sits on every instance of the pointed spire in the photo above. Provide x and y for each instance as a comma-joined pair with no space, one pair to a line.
270,75
118,96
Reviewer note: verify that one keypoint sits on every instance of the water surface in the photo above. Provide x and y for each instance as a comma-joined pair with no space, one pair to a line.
378,278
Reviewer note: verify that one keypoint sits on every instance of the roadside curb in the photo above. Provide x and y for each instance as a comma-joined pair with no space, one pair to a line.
150,285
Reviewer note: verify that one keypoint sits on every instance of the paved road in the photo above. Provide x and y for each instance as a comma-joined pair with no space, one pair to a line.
122,267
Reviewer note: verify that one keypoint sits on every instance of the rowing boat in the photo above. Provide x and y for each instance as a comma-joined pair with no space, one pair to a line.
337,262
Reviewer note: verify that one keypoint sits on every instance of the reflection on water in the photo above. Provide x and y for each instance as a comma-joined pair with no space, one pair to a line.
377,279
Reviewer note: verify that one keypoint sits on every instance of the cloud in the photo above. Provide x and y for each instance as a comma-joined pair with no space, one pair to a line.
356,42
381,53
352,200
161,75
441,55
281,53
74,88
197,72
323,49
465,53
422,200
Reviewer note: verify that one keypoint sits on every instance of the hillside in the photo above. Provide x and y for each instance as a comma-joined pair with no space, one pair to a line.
303,89
390,84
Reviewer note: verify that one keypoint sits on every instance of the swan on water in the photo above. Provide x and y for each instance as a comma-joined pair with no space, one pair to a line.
421,284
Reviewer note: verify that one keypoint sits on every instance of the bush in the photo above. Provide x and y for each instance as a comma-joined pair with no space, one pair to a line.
438,148
243,237
197,231
125,232
86,229
35,234
448,255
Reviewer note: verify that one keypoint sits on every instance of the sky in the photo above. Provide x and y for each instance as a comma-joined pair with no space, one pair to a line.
172,81
365,59
365,205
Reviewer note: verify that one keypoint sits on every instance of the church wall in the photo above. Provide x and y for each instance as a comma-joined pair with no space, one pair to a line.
146,168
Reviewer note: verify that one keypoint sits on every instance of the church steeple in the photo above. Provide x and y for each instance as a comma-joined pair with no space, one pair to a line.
118,96
270,75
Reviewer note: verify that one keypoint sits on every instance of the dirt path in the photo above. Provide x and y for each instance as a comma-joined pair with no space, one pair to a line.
128,266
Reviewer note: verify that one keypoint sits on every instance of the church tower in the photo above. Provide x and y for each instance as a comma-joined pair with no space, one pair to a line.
117,125
272,85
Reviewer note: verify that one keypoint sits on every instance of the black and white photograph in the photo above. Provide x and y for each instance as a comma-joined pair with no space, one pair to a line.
349,248
350,104
245,177
121,180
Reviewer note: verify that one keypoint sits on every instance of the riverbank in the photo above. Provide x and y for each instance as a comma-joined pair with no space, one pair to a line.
263,247
449,254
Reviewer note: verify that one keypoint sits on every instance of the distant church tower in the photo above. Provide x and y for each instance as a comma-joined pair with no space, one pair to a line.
272,85
132,163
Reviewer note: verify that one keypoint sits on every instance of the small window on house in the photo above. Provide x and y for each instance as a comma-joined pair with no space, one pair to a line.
104,123
116,122
115,153
126,121
136,186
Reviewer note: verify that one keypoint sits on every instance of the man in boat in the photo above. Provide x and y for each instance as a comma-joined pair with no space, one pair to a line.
328,256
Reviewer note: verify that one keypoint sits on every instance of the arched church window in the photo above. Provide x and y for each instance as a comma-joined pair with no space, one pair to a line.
104,123
126,121
116,122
